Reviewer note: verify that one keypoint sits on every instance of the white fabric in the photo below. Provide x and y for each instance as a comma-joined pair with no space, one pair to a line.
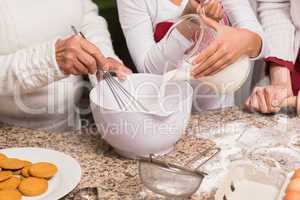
242,15
30,78
281,22
139,18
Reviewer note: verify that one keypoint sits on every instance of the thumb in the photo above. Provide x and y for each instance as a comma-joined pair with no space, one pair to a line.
211,23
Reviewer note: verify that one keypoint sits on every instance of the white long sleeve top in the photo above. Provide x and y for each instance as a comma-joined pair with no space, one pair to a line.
281,22
139,18
34,92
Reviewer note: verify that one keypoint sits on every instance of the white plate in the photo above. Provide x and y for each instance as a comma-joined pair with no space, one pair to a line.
67,177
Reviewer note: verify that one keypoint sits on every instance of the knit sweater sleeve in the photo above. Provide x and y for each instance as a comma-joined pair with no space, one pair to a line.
280,32
28,69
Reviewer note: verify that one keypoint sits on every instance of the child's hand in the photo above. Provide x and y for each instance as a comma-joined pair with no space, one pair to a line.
213,9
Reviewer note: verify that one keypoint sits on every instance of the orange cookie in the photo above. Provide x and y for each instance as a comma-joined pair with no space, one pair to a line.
2,156
43,170
10,184
33,186
27,163
10,195
12,164
25,171
4,175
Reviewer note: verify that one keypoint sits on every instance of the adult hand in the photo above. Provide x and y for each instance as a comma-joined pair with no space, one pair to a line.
267,99
75,55
229,45
212,9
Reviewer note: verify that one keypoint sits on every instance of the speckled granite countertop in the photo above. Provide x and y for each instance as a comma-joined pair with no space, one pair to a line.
116,177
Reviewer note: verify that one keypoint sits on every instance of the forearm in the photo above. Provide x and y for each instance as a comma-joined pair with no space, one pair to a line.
280,76
29,69
241,15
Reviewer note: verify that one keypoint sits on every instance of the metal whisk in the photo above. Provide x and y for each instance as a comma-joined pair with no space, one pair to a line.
123,98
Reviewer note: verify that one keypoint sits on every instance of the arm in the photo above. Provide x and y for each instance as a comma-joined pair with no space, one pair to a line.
241,15
96,31
29,69
280,31
137,27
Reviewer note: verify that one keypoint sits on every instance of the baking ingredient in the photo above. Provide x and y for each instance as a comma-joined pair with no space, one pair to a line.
294,185
250,190
296,174
292,196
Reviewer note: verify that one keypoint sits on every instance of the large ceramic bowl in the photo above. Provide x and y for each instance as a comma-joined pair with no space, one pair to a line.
140,133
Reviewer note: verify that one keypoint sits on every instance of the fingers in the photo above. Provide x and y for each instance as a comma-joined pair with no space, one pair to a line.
209,66
121,70
214,10
206,53
261,100
211,23
93,51
88,61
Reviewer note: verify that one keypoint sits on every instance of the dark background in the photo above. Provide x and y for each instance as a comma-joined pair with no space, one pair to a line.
108,9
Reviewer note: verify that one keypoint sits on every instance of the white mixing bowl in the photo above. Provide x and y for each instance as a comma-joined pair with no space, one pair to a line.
135,134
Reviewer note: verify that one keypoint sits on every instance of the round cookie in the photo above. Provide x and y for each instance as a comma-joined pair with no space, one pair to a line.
27,163
33,186
43,170
4,175
25,171
10,195
12,164
10,184
2,156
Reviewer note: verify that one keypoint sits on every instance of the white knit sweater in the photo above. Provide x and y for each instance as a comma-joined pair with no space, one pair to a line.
33,91
281,22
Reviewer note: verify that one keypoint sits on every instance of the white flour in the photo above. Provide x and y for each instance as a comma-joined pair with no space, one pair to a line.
266,147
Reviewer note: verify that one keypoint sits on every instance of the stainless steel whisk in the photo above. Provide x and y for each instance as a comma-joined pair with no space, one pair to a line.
125,100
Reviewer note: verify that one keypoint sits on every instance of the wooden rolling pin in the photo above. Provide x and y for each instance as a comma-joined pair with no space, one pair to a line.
292,102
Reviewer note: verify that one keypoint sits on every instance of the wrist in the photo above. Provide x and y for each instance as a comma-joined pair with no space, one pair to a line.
280,76
255,46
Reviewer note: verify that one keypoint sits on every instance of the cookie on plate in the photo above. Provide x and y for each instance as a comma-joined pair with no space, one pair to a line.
4,175
2,156
25,171
43,170
10,184
10,195
12,164
33,186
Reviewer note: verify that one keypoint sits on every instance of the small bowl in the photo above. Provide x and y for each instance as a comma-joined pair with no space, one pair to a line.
134,134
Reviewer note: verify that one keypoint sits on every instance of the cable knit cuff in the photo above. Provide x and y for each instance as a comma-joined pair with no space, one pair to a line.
58,73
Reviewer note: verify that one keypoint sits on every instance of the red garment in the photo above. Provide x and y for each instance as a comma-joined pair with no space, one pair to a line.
161,30
294,69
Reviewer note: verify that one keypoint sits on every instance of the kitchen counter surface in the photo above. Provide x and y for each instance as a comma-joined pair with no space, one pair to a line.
116,177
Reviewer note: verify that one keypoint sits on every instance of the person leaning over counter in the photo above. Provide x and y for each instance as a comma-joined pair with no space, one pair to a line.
40,61
281,22
151,20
